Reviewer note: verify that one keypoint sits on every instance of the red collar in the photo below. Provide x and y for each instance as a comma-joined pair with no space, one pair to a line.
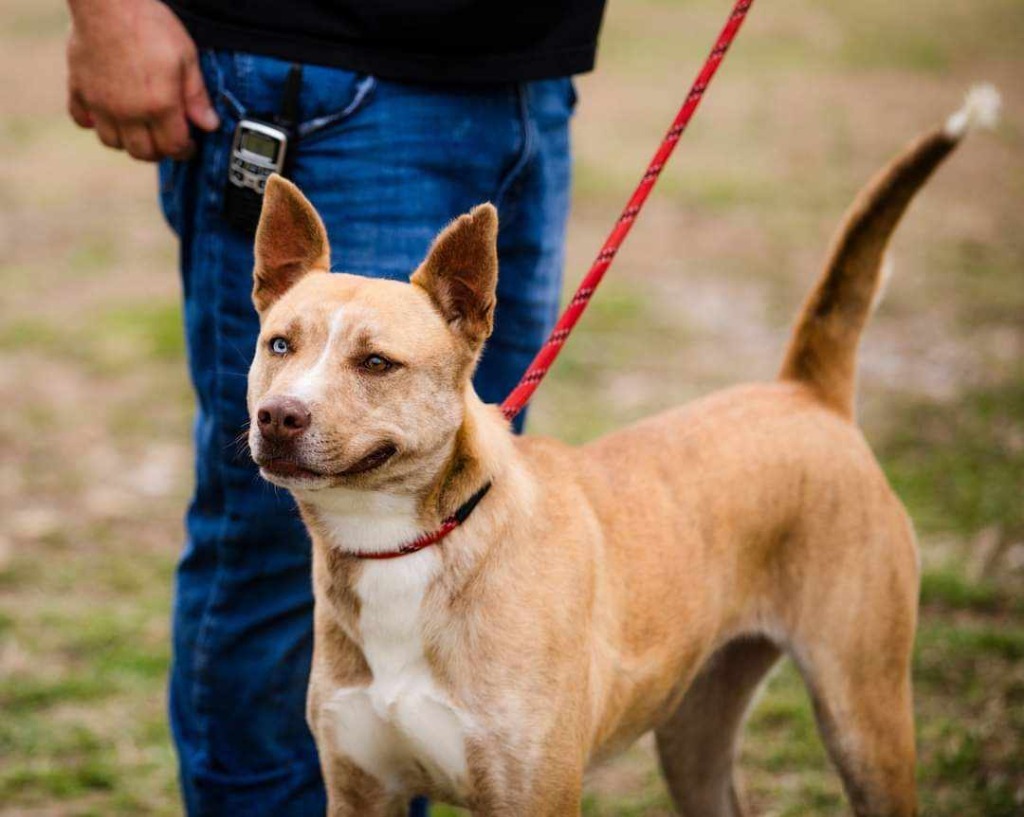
428,539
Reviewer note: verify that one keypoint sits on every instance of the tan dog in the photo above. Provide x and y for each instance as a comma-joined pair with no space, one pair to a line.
647,580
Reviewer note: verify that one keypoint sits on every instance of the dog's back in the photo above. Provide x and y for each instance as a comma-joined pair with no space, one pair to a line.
768,456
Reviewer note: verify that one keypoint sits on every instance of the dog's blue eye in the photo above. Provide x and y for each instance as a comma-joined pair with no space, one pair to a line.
279,346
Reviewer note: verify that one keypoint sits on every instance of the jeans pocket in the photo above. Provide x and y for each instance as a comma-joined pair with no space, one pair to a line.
325,122
552,102
257,85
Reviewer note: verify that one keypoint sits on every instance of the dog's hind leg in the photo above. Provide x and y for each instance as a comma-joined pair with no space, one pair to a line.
870,736
852,641
861,691
697,745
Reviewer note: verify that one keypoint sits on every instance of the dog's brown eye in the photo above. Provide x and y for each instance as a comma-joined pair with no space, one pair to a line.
377,364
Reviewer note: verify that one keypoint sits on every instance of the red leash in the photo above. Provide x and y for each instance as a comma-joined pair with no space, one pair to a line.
522,393
540,365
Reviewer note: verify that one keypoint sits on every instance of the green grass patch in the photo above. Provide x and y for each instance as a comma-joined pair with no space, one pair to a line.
76,762
155,331
97,253
36,21
783,759
869,46
919,36
636,805
960,467
19,693
20,132
964,773
108,341
32,333
981,278
962,655
69,778
725,189
949,588
442,810
969,642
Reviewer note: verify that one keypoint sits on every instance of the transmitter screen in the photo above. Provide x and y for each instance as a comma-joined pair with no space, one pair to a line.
260,145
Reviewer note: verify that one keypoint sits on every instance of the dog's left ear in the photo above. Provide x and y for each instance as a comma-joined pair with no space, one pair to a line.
460,273
290,242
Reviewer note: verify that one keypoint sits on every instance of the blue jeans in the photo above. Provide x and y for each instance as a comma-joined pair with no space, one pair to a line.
387,165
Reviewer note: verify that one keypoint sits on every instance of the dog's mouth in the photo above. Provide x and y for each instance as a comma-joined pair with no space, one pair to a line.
290,469
375,459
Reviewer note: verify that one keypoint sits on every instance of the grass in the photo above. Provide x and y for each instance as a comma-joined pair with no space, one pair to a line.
108,340
962,471
814,97
948,589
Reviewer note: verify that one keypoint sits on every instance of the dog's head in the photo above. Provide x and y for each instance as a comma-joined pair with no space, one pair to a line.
359,382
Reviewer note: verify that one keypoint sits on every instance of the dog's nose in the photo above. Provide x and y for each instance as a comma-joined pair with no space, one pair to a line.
282,418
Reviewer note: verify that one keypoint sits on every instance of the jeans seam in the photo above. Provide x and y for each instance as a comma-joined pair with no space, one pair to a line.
201,657
526,151
220,92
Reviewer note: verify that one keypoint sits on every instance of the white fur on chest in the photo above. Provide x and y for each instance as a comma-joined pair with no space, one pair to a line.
403,722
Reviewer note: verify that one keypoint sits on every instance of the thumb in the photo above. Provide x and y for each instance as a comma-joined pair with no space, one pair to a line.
197,103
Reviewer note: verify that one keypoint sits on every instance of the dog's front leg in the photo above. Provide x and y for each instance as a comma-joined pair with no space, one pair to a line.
563,802
348,737
549,790
558,799
351,792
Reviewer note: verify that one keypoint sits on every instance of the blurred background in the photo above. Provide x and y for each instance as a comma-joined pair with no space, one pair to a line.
94,428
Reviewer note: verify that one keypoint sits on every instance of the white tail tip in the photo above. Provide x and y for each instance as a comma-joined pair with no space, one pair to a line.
980,110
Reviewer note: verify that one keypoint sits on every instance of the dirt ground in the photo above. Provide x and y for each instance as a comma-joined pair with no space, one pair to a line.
94,432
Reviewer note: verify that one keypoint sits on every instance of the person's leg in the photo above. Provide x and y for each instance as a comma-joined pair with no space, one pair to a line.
242,639
391,167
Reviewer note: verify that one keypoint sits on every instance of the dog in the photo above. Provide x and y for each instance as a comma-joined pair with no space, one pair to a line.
495,614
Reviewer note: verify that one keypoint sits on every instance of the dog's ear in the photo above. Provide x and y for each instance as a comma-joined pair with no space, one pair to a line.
290,242
460,273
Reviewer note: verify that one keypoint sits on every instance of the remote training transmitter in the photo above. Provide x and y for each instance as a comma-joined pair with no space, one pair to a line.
260,147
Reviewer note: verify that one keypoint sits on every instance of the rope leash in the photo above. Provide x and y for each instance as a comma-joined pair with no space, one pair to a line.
540,365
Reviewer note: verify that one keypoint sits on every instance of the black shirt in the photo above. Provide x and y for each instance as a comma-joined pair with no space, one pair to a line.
413,40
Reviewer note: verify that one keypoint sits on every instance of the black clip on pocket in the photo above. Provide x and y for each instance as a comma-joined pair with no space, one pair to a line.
260,147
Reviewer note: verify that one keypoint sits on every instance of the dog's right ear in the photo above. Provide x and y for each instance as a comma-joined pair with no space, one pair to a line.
460,273
290,242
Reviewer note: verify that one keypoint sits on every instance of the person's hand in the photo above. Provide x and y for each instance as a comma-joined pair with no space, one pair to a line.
133,75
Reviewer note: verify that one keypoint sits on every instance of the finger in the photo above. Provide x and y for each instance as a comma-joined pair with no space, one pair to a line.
78,112
170,135
107,131
197,102
137,141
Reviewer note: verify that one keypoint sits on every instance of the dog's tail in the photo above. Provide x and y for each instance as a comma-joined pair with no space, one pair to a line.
823,348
